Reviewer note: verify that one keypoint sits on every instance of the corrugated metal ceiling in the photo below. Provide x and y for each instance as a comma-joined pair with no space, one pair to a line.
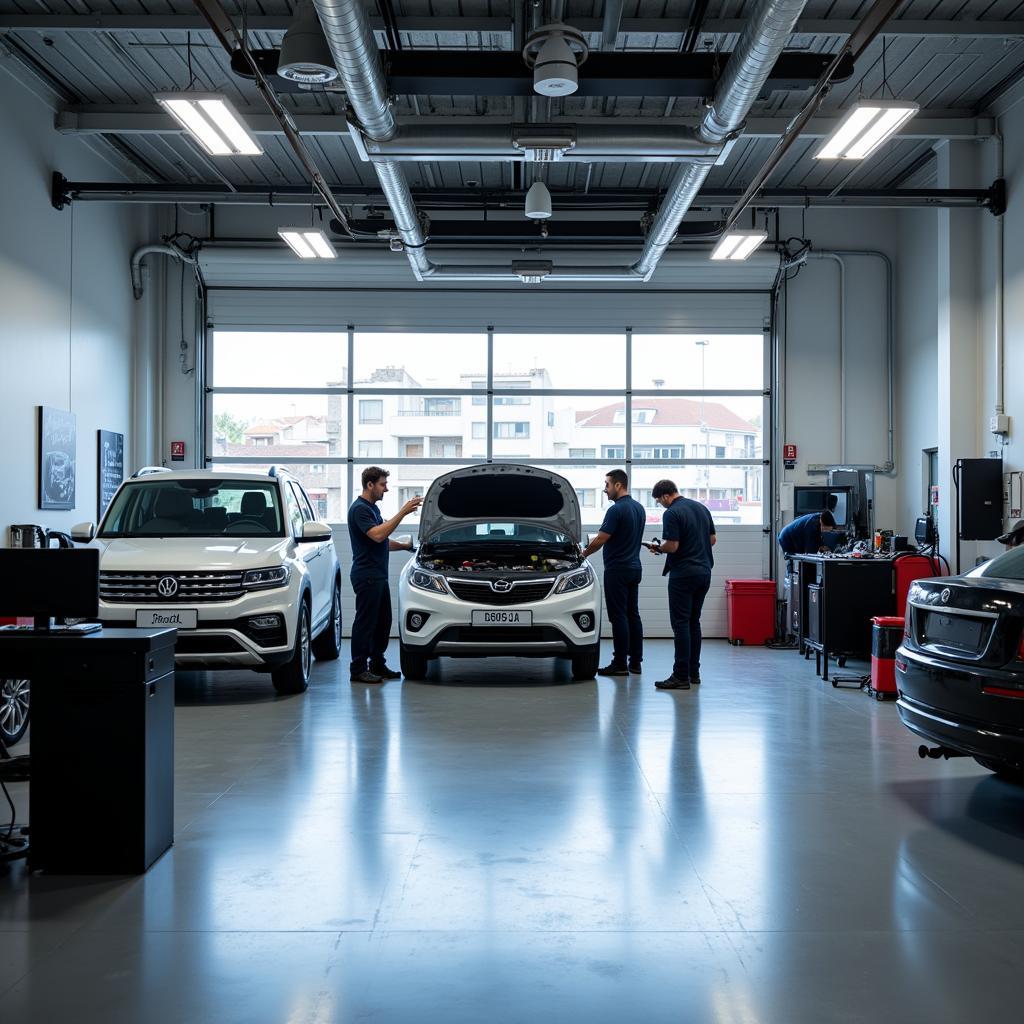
120,70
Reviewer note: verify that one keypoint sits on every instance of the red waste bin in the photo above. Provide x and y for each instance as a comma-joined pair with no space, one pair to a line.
886,636
906,569
751,607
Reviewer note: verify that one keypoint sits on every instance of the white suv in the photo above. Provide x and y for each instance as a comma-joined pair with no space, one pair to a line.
238,562
499,571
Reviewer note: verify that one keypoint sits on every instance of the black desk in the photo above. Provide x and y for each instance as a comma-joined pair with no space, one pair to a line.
101,795
838,598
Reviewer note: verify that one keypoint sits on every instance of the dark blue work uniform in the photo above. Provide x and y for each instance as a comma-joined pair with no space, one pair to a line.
802,536
689,579
624,522
371,627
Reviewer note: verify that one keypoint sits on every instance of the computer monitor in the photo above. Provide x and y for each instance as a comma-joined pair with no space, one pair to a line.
836,500
50,582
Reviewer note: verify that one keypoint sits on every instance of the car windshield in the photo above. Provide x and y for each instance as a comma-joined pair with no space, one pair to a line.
194,508
1007,566
493,532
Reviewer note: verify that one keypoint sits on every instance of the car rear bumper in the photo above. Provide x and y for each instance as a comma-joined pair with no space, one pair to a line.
947,705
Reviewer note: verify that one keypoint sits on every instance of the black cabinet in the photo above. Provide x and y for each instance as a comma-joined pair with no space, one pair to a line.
101,796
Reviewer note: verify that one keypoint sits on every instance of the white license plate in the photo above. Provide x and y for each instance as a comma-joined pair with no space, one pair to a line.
482,617
168,618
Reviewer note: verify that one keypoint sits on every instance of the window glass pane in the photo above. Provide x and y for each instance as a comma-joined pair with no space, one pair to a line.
549,360
371,410
695,361
279,427
552,427
405,482
265,359
324,484
384,359
415,426
732,493
371,449
712,427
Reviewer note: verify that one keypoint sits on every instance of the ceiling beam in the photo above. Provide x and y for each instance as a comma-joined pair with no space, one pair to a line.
669,30
99,120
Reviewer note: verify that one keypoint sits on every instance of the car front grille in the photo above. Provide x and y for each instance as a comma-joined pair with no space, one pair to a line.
480,592
193,587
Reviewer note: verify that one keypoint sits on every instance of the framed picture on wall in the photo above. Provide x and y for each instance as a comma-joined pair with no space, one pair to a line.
57,439
109,468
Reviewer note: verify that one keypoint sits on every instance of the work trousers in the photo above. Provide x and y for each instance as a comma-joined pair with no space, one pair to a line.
371,627
621,602
685,600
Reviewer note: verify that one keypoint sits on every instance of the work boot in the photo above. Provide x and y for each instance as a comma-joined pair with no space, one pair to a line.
695,678
673,683
613,668
381,669
366,676
634,667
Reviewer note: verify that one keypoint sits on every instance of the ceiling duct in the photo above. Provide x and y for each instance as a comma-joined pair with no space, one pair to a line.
759,48
357,59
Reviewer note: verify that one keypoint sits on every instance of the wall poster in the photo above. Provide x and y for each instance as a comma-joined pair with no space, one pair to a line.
109,468
56,458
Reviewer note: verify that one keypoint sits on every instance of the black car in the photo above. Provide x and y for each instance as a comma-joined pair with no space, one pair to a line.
960,669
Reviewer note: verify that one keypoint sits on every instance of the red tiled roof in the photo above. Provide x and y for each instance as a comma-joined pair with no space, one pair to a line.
670,412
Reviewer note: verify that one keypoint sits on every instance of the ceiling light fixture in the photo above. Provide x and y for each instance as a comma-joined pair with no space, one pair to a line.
305,56
538,202
865,128
212,121
738,245
308,243
555,52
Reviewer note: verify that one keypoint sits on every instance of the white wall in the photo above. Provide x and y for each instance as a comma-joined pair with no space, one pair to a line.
68,327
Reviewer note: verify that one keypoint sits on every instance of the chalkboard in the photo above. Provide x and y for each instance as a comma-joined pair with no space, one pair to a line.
109,468
57,439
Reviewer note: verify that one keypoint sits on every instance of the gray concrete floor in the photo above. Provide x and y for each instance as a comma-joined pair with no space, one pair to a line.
500,843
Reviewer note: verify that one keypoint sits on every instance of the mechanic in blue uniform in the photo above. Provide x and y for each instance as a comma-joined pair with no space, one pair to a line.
620,537
369,533
689,536
803,536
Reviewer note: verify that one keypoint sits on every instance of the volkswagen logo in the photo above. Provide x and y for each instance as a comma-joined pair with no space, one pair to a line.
167,587
502,586
944,596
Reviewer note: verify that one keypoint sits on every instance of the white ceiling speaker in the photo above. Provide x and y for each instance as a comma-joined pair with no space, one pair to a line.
538,202
305,56
555,52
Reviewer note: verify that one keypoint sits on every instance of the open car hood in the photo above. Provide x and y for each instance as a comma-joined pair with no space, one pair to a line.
501,494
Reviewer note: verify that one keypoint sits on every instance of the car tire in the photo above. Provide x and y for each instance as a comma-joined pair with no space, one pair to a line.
14,709
414,665
293,676
327,646
585,666
1008,772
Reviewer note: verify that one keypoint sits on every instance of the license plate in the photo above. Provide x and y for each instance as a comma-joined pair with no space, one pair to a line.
954,631
486,617
176,618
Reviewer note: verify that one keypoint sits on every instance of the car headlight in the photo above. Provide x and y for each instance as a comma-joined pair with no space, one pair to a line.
262,579
579,580
423,580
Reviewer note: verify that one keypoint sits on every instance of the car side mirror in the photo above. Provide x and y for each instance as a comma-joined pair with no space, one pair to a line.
312,532
83,532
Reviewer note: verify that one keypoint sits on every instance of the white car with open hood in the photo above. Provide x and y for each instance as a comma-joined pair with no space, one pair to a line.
499,572
239,563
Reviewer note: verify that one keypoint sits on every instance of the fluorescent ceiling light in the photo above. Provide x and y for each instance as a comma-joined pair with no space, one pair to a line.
212,121
308,243
865,128
738,245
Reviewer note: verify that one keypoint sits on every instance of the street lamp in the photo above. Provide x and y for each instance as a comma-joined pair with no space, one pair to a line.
703,346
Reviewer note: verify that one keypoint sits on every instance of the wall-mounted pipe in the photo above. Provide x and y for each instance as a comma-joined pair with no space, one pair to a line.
890,348
143,251
1000,339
